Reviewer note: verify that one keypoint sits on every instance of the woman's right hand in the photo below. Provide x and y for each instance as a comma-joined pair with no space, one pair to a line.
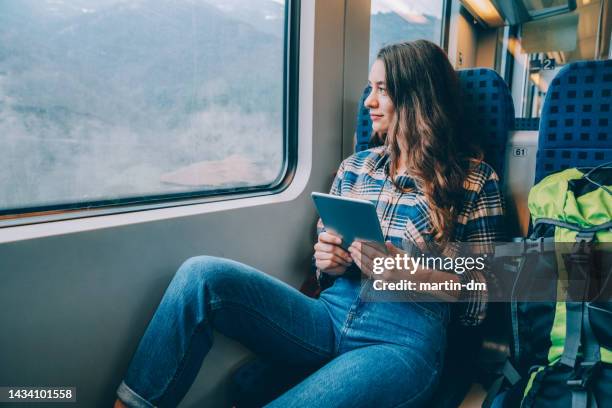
329,255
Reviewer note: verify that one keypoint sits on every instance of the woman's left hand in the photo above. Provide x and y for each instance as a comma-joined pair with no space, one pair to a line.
364,254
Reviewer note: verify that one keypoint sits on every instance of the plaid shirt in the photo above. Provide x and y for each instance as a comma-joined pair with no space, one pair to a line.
405,216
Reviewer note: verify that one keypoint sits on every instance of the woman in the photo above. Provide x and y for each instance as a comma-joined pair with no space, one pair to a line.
429,186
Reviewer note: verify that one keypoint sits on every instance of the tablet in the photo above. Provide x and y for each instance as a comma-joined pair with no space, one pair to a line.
349,218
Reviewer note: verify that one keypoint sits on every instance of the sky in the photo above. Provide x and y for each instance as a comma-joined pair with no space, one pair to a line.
411,10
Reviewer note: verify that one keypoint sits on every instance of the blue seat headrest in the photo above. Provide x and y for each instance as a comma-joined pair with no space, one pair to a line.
488,102
576,125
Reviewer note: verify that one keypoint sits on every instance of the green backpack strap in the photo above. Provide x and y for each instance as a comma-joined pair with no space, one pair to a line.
573,332
578,326
536,376
579,336
576,314
588,368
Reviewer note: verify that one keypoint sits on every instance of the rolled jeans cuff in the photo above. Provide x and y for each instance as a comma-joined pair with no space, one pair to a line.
130,398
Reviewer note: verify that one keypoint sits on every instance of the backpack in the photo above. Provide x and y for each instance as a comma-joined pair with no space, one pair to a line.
561,303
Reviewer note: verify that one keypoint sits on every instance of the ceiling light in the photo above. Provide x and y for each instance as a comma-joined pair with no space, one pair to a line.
485,11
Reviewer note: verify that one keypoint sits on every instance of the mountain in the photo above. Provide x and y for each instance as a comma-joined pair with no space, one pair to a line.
100,99
106,59
114,98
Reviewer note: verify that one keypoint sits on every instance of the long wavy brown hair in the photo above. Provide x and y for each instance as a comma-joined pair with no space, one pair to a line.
429,126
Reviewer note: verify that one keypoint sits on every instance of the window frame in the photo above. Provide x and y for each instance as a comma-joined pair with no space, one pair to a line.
446,24
65,211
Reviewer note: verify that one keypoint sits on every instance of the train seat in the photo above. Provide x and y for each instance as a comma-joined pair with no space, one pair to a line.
489,104
574,130
576,116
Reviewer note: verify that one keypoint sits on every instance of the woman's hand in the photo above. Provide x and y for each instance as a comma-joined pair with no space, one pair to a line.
330,257
364,254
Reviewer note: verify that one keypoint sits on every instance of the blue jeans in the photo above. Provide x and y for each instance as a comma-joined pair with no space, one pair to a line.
384,354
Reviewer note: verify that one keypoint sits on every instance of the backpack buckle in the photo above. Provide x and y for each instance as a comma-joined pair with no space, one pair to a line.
530,245
583,376
585,236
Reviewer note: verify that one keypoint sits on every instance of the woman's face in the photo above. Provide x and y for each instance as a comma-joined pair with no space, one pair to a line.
380,104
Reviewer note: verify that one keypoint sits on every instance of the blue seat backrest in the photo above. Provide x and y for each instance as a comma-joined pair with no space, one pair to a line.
488,104
576,124
363,130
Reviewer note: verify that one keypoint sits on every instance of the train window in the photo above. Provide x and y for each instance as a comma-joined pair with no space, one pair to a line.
113,101
546,45
394,21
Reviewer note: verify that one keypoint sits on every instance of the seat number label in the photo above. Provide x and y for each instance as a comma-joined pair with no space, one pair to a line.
519,152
